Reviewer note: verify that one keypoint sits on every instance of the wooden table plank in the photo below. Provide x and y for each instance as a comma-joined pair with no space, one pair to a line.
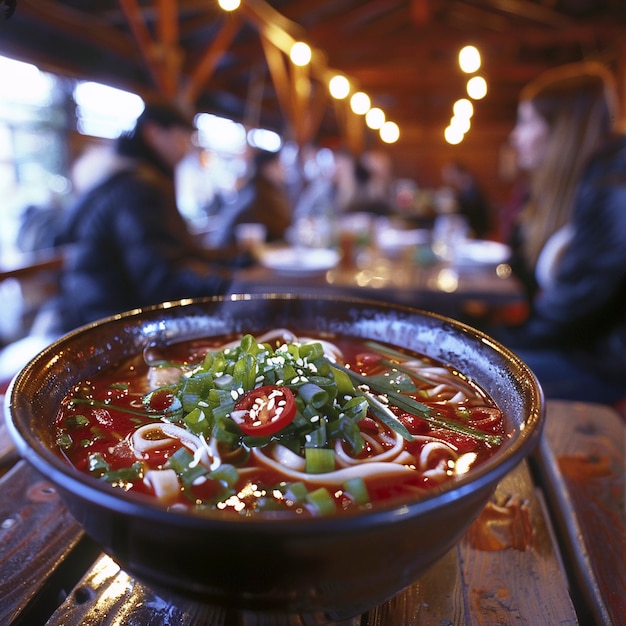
581,461
36,535
504,571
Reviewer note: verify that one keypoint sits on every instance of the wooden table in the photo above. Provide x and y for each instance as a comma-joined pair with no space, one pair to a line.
547,550
403,279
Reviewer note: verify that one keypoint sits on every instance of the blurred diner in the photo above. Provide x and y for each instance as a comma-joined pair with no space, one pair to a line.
569,243
469,198
129,246
262,199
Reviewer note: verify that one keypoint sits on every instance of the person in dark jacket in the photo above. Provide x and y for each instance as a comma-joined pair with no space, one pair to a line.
263,199
129,245
572,236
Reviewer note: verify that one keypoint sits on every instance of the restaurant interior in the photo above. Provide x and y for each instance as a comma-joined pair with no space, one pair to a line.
233,64
407,87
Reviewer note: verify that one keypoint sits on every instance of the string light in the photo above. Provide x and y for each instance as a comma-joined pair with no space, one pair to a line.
300,53
453,135
375,118
463,108
389,132
360,103
477,87
339,87
229,5
469,59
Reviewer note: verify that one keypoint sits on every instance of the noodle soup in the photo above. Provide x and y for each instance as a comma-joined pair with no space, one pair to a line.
278,425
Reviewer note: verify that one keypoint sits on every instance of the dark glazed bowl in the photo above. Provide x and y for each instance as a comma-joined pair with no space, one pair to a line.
319,567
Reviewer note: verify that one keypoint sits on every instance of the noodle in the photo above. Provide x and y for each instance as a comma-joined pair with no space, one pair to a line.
247,425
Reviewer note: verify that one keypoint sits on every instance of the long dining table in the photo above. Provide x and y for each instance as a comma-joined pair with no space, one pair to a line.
548,549
412,276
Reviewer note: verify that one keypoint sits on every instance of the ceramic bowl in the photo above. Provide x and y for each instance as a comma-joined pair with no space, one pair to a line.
329,567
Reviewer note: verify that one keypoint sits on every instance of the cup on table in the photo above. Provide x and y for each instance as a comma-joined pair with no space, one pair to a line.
354,234
250,237
449,233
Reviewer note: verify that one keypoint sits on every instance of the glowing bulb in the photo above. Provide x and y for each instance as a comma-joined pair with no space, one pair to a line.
460,123
463,108
229,5
453,135
360,103
300,53
477,87
375,118
339,87
469,59
389,132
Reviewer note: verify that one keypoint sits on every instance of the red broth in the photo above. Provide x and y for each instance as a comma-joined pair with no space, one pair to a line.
338,425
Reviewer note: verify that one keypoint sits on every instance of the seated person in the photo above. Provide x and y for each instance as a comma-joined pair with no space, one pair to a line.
264,199
130,246
570,238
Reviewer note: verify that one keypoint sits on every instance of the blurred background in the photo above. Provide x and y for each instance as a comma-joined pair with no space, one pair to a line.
407,86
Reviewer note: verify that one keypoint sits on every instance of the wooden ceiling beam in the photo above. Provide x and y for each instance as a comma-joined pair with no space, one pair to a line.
169,46
280,78
143,37
72,22
214,52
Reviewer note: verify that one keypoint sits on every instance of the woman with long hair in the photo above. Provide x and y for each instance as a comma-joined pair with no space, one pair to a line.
570,241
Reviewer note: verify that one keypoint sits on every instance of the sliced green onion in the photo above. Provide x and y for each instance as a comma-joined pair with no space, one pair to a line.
65,441
226,474
313,395
356,490
319,460
321,502
97,465
197,422
296,492
124,474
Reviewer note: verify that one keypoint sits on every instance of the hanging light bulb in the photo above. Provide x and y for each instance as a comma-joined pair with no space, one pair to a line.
463,108
375,118
229,5
389,132
300,53
477,87
339,87
469,59
360,103
453,135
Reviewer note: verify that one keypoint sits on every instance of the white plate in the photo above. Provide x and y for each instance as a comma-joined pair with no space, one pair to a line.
297,261
394,239
482,252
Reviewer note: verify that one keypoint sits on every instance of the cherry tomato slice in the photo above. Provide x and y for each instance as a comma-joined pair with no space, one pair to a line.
265,411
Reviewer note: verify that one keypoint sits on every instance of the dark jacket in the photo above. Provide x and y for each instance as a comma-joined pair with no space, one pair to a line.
584,310
130,248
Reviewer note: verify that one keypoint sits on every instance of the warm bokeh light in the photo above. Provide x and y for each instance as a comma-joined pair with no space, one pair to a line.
375,118
300,53
229,5
477,87
463,108
469,59
453,135
360,103
460,123
389,132
339,87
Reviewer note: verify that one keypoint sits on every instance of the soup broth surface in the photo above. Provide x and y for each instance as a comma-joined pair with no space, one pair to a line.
278,425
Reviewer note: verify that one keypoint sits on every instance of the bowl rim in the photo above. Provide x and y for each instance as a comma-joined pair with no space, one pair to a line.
54,468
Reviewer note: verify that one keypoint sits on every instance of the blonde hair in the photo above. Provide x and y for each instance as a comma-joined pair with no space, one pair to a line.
579,103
